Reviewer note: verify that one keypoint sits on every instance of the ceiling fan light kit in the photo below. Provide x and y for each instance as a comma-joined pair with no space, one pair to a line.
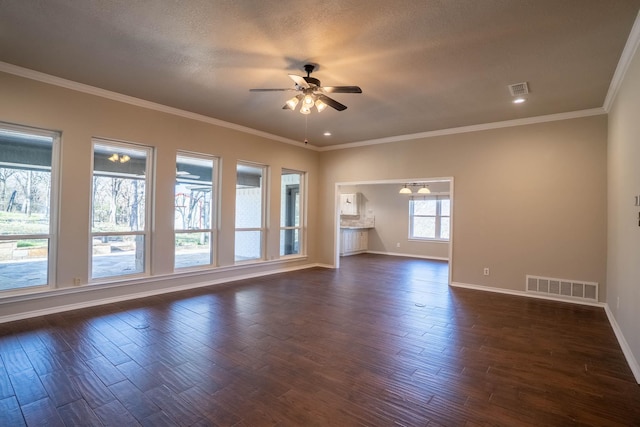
312,93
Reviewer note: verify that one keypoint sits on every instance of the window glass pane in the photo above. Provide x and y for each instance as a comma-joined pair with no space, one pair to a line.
24,201
445,207
444,228
118,204
248,245
118,188
23,263
25,182
249,197
290,199
192,249
289,241
117,256
424,227
119,160
424,207
193,193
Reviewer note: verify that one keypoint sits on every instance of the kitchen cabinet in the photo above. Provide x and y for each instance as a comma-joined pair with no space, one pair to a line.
350,204
353,241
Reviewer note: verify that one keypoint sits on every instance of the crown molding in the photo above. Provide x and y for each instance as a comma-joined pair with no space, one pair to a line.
114,96
628,52
80,87
472,128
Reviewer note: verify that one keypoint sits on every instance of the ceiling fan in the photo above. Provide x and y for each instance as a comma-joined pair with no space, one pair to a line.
312,93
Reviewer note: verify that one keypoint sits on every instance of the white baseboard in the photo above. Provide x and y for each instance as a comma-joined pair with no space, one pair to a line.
435,258
524,294
631,360
626,350
137,295
329,266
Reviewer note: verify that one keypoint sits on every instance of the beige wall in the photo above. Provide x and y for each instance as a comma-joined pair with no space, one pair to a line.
527,200
623,267
80,116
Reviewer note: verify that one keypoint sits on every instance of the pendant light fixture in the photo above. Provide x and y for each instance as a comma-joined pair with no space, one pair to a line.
424,190
405,190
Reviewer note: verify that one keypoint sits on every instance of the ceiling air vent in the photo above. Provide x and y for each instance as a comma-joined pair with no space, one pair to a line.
519,89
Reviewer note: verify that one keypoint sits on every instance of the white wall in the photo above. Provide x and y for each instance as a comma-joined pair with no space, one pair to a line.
623,260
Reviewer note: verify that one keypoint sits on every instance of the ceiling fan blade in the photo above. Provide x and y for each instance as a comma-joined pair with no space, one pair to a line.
270,90
300,81
332,102
342,89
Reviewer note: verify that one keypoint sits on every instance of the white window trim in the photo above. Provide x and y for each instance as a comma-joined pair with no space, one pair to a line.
215,212
54,203
303,214
148,195
438,216
263,214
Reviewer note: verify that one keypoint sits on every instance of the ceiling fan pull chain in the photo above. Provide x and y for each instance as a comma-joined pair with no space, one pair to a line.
306,121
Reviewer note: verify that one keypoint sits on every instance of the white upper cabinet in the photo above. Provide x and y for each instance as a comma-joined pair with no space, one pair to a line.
349,204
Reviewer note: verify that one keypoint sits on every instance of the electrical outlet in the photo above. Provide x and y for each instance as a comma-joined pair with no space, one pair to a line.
76,281
486,271
398,245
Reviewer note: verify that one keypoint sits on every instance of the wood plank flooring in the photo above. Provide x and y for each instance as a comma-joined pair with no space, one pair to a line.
382,341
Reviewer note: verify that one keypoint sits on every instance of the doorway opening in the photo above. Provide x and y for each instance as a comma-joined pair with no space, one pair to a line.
386,222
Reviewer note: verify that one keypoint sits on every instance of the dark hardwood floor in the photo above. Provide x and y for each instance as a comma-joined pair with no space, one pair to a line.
382,341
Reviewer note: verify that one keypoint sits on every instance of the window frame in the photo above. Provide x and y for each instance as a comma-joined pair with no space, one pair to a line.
214,213
438,218
148,215
302,214
54,204
264,190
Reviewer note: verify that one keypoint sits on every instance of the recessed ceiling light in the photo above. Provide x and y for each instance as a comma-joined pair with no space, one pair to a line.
327,134
519,100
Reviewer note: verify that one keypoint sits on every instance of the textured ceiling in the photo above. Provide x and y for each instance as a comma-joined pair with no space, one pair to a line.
423,65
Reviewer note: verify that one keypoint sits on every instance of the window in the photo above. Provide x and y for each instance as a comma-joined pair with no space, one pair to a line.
195,207
291,205
250,208
429,218
28,160
120,214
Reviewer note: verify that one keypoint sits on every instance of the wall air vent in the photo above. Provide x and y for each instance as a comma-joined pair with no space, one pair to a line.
519,89
562,288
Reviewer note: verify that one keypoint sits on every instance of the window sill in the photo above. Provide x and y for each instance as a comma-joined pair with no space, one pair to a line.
47,291
429,240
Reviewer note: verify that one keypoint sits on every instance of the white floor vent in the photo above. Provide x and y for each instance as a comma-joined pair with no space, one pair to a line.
562,288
